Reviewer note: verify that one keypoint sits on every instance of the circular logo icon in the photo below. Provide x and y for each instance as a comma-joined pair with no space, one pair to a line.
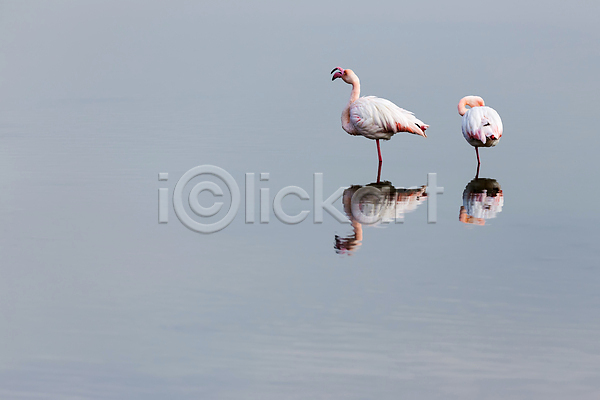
195,205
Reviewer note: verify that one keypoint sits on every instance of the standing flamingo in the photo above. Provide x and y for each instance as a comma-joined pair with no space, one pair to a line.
372,117
481,125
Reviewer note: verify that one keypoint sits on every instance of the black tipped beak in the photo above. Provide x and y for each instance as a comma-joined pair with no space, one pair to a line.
338,73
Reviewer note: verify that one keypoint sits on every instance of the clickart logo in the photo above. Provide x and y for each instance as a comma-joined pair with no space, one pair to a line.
199,181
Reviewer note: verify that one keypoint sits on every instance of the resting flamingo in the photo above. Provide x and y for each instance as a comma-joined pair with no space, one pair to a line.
481,125
372,117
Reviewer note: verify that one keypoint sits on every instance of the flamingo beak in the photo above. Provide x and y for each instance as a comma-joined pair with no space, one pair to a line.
338,73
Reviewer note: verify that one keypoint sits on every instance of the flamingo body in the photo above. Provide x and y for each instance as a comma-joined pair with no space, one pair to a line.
373,117
481,125
376,118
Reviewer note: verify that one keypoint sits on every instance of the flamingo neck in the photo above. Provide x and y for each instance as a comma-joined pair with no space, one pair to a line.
355,93
462,106
471,101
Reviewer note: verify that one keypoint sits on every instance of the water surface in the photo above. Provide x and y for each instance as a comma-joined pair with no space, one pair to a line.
98,300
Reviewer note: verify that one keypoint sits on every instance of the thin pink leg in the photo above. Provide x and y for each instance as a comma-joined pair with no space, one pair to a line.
379,173
379,151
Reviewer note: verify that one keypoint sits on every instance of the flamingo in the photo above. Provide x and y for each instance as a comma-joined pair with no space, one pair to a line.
481,125
373,117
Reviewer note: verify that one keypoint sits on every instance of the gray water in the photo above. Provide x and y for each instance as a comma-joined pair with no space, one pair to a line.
100,301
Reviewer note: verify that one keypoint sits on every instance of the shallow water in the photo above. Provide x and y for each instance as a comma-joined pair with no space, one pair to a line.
99,300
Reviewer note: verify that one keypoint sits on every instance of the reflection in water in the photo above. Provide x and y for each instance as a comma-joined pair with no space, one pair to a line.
374,204
482,199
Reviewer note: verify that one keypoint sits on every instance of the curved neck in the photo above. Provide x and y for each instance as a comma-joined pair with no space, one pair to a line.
355,93
346,125
471,101
462,109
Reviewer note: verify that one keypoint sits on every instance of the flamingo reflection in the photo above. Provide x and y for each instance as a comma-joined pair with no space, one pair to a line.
377,203
482,200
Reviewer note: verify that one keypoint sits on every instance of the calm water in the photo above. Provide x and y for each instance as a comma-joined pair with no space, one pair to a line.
100,301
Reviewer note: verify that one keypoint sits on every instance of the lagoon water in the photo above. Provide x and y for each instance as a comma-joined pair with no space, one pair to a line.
100,301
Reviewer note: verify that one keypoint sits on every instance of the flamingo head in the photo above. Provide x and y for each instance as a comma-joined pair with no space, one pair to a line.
347,75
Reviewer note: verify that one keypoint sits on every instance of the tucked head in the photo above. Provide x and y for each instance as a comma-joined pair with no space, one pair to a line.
471,101
347,75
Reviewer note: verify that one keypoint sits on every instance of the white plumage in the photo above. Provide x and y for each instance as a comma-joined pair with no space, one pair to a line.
376,118
481,125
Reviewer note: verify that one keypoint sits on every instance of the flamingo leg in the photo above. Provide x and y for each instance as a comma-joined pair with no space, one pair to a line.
379,173
478,162
379,151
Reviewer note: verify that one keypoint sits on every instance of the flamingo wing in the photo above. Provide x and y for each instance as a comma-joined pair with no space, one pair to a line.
378,118
482,123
